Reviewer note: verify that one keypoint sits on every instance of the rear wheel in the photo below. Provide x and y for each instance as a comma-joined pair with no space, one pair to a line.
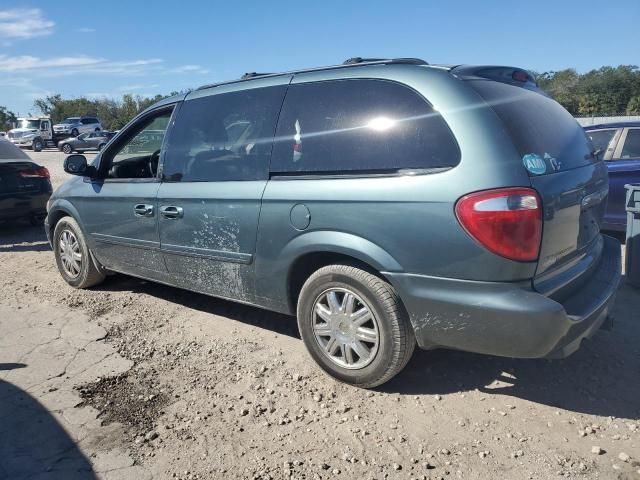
354,325
73,258
66,148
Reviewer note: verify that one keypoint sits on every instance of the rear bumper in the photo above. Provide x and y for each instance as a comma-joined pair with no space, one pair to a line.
508,319
23,205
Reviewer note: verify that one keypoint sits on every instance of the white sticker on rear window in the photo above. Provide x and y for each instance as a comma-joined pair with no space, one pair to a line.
534,163
555,164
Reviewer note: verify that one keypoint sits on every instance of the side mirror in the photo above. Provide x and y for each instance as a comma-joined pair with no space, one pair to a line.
77,165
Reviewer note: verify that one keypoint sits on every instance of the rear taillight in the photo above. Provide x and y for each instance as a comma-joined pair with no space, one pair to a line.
506,221
39,172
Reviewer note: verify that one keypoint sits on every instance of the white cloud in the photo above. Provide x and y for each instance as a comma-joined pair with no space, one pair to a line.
198,69
130,88
72,65
27,62
84,64
24,23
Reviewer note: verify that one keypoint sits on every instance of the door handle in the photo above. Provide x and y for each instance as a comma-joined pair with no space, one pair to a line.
171,212
143,210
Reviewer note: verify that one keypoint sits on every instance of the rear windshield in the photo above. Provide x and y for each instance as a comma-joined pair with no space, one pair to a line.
547,137
8,151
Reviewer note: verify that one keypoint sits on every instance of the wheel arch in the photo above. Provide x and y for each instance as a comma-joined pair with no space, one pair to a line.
312,251
58,210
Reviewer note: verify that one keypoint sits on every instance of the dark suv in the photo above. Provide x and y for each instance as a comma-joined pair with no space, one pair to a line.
384,203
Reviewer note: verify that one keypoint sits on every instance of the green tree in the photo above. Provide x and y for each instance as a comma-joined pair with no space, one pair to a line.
7,119
633,107
114,114
602,91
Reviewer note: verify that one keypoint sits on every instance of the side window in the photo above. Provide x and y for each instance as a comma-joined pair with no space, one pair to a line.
136,155
631,147
360,125
228,136
601,139
85,121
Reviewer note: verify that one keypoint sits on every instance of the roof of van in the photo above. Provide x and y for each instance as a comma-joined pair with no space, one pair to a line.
349,63
354,62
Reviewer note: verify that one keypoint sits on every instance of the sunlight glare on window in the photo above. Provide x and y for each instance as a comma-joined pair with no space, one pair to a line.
381,124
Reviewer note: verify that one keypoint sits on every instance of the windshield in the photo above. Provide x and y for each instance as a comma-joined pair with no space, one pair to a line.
71,120
29,124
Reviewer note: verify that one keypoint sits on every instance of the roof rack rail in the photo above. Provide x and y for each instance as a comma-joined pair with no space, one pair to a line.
358,60
253,75
351,62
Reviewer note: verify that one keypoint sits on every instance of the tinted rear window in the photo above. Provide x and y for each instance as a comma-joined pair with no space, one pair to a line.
8,151
344,126
539,127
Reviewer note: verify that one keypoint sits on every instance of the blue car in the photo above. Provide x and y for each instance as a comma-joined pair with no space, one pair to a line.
619,147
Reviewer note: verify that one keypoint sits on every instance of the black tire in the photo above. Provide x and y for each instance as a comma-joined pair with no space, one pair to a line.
66,148
396,340
75,132
89,273
97,130
37,145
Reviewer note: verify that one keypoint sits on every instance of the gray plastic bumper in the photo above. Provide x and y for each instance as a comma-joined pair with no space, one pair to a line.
508,319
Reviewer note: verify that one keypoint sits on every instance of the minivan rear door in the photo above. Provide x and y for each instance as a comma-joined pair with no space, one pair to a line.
558,156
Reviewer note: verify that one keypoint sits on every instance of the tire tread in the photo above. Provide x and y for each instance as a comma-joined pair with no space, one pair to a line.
402,333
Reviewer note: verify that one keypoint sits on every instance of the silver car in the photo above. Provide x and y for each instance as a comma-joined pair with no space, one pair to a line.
74,126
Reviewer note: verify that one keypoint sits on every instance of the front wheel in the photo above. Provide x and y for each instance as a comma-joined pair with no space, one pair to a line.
354,325
66,148
37,145
73,258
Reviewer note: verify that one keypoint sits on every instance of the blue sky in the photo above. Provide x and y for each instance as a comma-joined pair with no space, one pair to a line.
111,48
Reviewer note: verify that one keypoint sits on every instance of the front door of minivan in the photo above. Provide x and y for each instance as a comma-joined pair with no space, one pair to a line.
214,174
119,212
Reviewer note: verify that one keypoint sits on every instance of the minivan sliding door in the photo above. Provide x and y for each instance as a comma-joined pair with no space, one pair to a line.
214,174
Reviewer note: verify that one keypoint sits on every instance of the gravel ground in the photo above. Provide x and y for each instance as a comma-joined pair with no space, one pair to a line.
221,390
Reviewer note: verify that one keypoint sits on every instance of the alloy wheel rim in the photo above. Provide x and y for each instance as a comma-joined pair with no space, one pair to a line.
345,328
70,254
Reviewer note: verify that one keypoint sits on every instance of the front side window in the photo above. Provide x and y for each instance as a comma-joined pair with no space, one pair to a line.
136,155
631,147
601,139
223,137
372,126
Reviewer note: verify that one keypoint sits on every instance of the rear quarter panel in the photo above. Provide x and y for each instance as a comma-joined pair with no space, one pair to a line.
404,223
